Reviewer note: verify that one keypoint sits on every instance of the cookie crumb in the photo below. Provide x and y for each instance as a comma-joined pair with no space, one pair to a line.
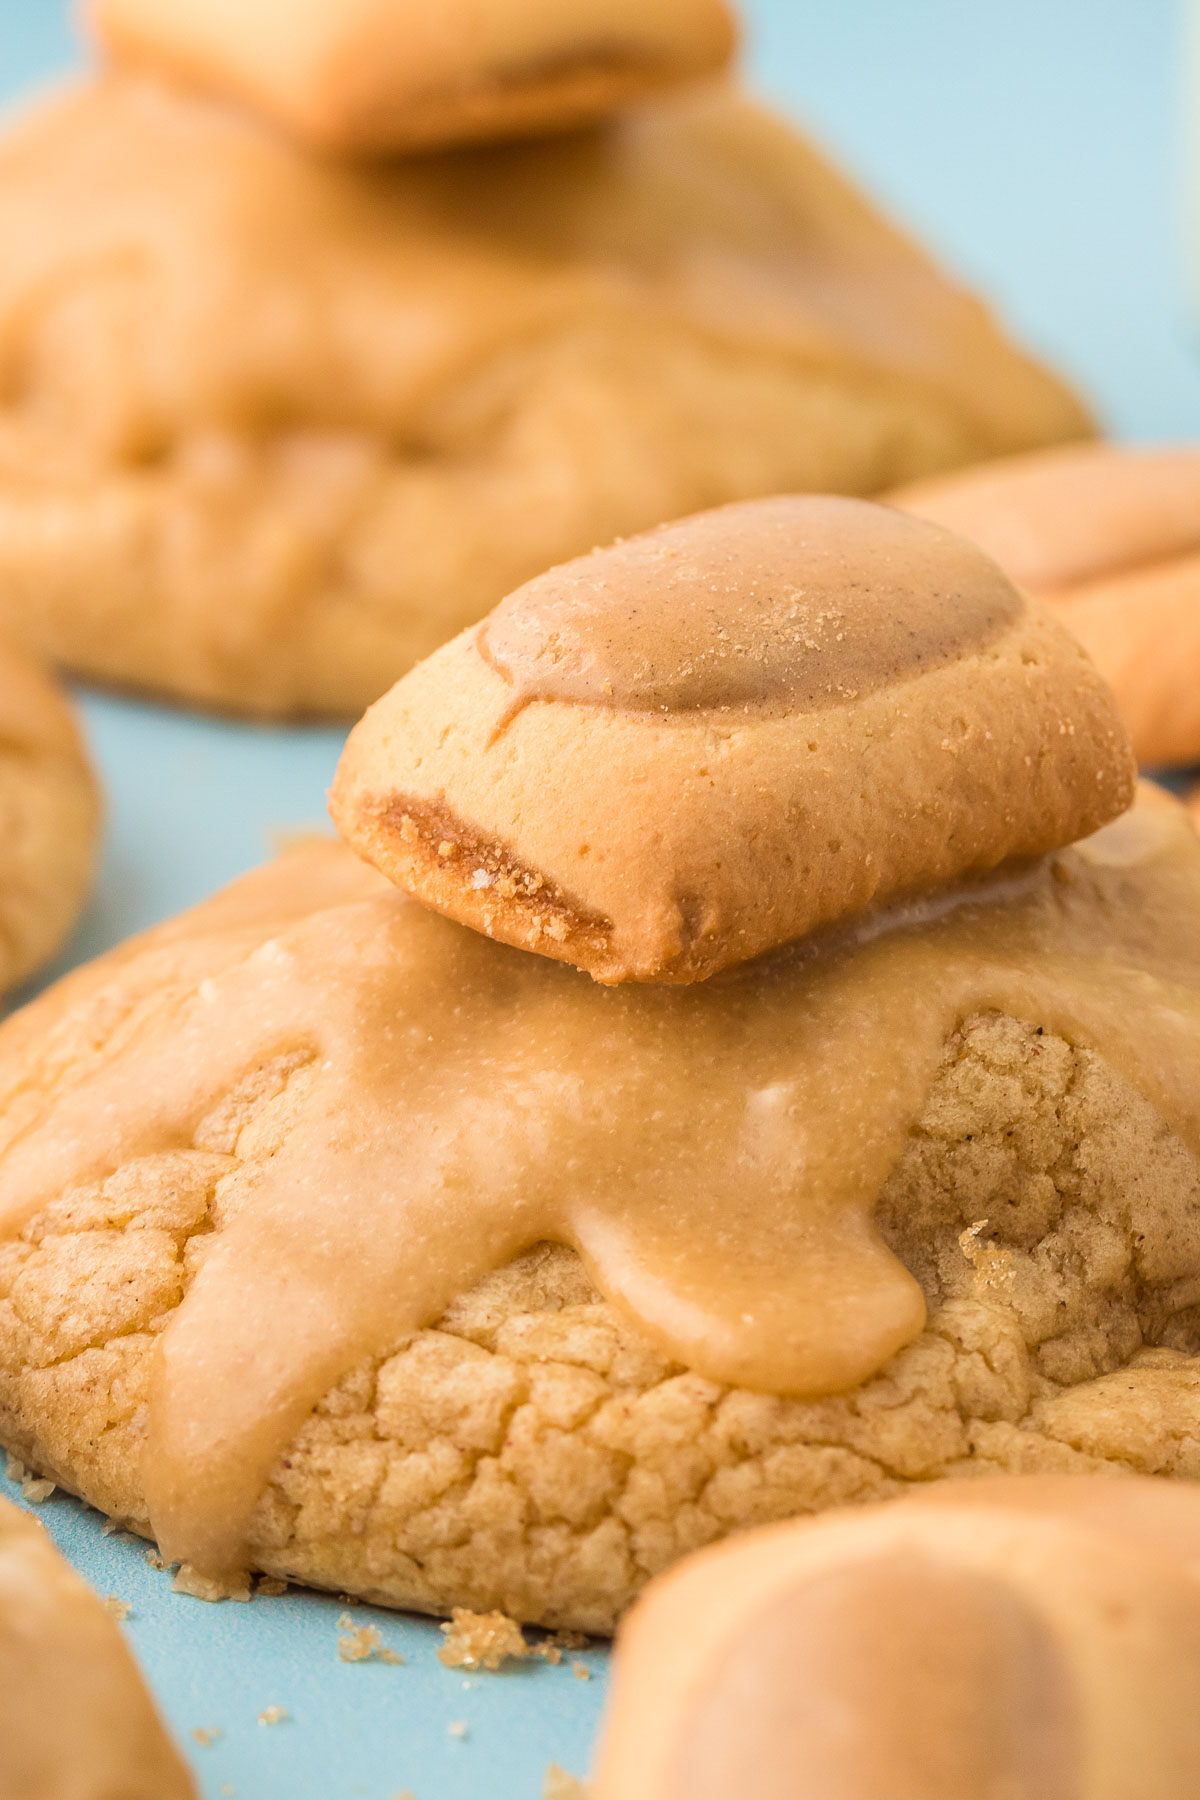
207,1735
581,1672
116,1608
561,1786
157,1562
273,1715
362,1643
206,1587
458,1729
108,1527
14,1468
35,1489
271,1585
482,1641
227,1790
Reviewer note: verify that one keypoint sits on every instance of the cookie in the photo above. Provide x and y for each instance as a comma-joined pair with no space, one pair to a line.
1110,536
49,819
284,426
344,1243
75,1718
677,753
364,77
1035,1638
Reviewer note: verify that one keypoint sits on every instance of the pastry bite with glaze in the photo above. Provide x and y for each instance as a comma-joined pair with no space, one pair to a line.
341,1242
365,77
49,818
1038,1638
76,1722
677,753
277,426
1110,537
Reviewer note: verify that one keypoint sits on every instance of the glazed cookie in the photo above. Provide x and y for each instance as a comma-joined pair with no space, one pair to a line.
76,1723
1038,1638
344,1243
273,428
49,819
674,754
368,76
1111,537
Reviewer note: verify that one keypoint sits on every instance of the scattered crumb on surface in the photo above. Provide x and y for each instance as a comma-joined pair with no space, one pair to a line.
108,1527
273,1715
362,1643
482,1641
205,1587
14,1468
156,1561
271,1586
561,1786
207,1735
580,1671
457,1729
227,1790
116,1608
34,1488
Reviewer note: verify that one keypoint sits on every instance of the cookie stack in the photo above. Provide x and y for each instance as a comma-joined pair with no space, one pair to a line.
293,405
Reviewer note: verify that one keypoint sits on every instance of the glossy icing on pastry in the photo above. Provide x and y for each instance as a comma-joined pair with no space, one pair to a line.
678,752
714,1153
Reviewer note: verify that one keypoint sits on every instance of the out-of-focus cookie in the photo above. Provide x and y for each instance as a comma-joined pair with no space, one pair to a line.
682,751
76,1722
1111,536
456,1369
372,76
1038,1638
279,427
49,818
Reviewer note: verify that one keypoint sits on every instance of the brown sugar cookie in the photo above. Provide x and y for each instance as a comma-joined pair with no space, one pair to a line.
1039,1638
676,753
372,76
76,1722
49,818
277,427
1109,536
340,1241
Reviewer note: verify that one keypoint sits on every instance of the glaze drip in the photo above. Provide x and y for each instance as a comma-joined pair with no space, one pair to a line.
714,1153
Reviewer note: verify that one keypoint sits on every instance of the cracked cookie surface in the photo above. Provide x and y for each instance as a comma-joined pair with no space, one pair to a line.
533,1453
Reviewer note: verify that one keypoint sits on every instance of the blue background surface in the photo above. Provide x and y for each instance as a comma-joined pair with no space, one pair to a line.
1041,147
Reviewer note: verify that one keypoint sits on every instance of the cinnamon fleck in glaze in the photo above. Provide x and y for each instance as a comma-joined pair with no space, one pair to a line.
766,607
713,1153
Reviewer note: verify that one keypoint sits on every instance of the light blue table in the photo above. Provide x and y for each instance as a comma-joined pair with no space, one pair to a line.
1039,147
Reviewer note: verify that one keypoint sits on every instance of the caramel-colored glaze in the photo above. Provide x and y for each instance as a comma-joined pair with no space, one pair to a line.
894,1675
772,606
76,1722
714,1154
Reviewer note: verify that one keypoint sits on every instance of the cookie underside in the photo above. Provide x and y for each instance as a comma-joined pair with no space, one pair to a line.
531,1452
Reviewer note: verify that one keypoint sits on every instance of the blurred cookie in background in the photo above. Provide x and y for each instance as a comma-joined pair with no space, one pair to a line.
276,425
76,1721
1034,1636
373,76
1109,535
49,818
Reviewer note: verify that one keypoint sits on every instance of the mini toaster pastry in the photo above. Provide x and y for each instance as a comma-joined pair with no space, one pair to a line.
76,1723
369,76
869,1154
275,423
1036,1638
1110,538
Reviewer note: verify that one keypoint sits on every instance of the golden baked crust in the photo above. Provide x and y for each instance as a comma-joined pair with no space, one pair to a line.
532,1453
1110,536
371,76
76,1723
276,428
860,707
49,818
1032,1636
